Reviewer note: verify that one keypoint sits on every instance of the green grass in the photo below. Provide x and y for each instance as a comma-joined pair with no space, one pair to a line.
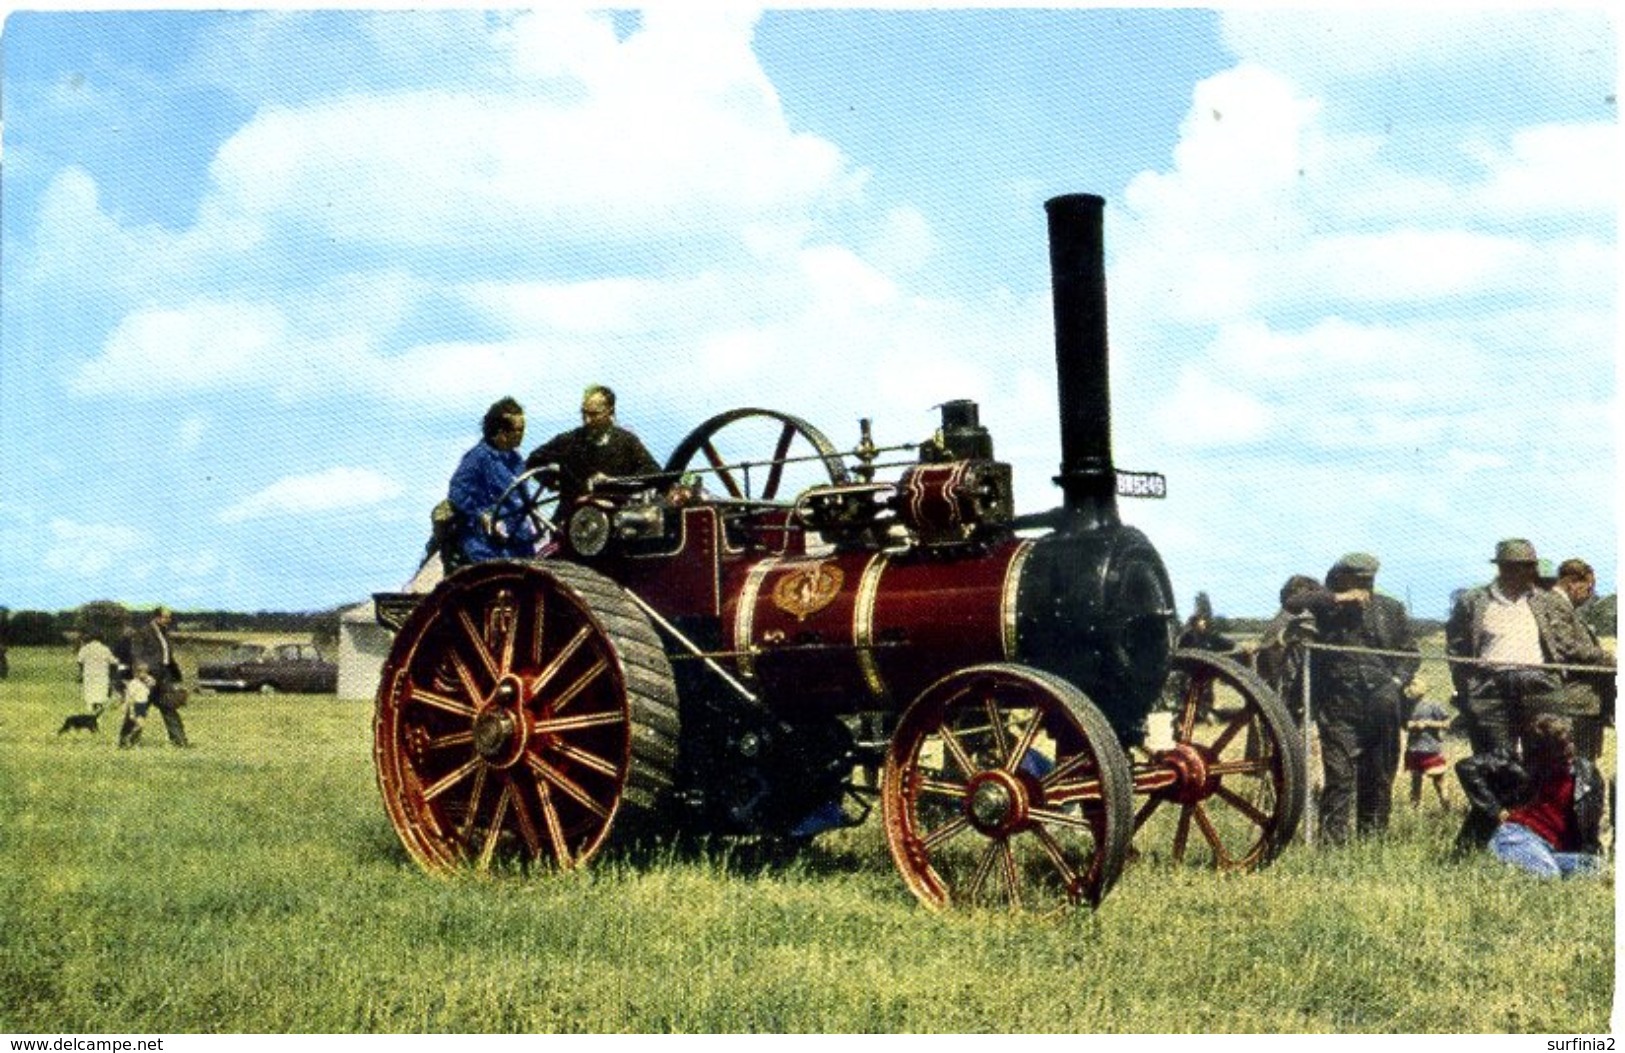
254,884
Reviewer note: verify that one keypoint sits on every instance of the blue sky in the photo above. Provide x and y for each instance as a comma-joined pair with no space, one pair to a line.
262,272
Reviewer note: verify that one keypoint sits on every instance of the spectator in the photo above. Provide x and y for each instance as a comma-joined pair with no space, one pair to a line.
1199,634
1542,815
1279,655
1513,629
96,666
1578,583
1358,699
1588,697
479,529
1424,749
597,450
123,659
137,697
152,652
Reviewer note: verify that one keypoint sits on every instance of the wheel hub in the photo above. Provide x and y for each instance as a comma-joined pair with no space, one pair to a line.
493,733
500,728
1193,781
997,802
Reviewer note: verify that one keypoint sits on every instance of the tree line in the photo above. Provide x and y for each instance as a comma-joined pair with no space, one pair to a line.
108,618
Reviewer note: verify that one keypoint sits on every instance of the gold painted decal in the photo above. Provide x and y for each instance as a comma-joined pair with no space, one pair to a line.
745,614
1008,595
808,589
863,625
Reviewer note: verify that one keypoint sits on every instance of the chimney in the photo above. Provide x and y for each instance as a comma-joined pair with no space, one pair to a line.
1077,256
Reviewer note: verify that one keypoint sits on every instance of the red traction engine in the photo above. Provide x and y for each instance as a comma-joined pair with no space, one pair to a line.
705,658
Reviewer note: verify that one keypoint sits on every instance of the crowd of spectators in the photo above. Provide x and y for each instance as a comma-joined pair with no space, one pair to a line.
1532,688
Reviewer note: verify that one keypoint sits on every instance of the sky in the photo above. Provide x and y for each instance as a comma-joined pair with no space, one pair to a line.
261,273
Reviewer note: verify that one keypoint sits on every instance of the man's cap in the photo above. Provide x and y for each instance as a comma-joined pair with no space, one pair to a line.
1356,563
1514,550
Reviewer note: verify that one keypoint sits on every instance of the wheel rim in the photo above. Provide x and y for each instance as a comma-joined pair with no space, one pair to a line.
1226,794
503,730
1004,788
765,438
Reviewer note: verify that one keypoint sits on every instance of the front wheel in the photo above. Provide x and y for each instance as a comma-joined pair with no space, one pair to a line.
1005,788
1228,792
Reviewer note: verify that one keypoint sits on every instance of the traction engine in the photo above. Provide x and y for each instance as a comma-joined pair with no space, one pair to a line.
693,652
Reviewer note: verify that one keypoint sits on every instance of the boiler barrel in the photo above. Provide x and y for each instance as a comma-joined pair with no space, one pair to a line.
869,630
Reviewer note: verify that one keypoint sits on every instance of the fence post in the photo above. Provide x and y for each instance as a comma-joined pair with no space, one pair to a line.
1308,731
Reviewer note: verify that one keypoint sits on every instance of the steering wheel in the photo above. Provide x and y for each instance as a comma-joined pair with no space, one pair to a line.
536,503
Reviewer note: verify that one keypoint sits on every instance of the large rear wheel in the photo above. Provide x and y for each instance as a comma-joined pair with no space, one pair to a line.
524,710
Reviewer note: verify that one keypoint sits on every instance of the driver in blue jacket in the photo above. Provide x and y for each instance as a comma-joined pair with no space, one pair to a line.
486,473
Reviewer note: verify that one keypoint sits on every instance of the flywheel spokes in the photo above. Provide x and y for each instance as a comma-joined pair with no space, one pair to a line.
786,454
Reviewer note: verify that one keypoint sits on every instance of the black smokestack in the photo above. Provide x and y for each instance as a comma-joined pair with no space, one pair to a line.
1077,256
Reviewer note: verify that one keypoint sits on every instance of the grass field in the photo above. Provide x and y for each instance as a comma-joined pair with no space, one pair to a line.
254,884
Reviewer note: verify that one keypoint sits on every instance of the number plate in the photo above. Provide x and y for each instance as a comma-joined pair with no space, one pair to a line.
1141,484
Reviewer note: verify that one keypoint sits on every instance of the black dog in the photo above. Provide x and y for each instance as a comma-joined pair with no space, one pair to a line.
80,722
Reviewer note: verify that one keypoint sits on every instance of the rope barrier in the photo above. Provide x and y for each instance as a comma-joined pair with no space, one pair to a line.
1491,663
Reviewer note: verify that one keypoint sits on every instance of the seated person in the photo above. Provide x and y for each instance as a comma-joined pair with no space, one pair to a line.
481,530
1543,814
596,450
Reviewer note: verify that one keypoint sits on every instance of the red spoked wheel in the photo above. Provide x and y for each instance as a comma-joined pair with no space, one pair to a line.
1228,792
523,710
1005,788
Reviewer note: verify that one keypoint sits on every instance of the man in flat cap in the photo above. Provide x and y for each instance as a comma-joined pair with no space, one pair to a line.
1513,629
1588,697
1358,700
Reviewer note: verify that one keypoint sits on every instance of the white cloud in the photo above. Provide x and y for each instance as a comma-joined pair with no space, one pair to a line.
320,343
91,550
903,243
334,490
80,244
1553,169
1205,411
704,217
200,347
699,147
1377,345
1569,49
189,435
603,307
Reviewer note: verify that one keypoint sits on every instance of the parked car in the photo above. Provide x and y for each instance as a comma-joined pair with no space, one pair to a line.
292,667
